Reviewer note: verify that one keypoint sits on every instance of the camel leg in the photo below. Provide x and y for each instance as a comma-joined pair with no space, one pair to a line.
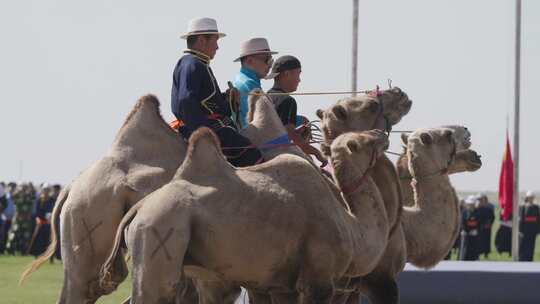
283,298
157,250
318,293
188,294
259,298
342,298
380,289
217,292
353,298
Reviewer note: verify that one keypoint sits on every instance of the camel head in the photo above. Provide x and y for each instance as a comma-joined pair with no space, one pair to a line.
396,104
361,113
430,151
466,160
461,135
357,151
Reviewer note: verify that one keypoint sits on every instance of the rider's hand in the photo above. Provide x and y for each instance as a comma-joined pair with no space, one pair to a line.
313,151
321,158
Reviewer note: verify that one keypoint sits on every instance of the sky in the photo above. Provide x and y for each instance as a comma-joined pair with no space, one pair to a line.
70,71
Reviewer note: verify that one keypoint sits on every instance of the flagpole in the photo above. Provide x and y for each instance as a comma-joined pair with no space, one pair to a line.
354,48
515,205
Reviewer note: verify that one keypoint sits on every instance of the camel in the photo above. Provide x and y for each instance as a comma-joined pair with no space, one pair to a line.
380,285
466,160
366,112
132,169
287,215
92,206
432,223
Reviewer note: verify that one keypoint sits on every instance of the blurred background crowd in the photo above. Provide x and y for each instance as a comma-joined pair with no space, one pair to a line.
25,224
25,217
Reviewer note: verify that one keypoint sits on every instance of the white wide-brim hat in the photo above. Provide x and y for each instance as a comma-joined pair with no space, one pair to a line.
202,26
254,46
470,200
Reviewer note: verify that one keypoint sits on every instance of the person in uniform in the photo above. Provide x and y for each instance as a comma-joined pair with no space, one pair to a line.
21,232
469,232
255,60
486,216
503,237
286,74
529,222
43,211
197,101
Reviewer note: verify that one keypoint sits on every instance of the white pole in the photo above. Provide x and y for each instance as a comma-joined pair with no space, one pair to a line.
20,170
515,209
354,47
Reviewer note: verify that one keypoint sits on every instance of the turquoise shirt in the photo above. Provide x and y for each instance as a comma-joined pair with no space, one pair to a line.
245,81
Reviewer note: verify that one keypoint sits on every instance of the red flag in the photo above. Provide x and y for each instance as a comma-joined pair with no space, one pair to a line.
506,182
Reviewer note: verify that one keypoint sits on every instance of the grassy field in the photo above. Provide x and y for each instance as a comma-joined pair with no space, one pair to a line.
43,286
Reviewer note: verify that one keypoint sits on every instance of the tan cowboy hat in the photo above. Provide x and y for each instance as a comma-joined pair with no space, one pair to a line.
254,46
202,26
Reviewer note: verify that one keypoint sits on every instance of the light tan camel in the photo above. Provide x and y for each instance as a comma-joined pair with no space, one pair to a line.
143,157
466,160
366,112
93,206
380,285
435,201
272,237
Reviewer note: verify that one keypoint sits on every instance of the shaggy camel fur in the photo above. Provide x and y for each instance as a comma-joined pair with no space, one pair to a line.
287,214
131,169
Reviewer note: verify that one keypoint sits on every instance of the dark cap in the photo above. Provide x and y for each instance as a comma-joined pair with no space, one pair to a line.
282,64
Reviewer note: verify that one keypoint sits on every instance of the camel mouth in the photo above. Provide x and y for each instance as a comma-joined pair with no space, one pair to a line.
474,161
394,113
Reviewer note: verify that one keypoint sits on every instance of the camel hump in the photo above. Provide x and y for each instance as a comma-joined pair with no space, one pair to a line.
149,98
143,125
146,102
203,139
203,154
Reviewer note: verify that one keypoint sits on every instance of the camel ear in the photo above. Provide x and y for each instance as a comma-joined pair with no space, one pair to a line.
404,138
340,112
320,113
448,135
353,146
426,139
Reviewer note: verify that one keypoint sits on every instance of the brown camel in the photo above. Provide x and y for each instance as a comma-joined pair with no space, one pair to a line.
287,214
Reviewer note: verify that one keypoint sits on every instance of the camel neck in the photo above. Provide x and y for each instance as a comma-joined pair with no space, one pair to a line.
367,206
431,225
428,191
